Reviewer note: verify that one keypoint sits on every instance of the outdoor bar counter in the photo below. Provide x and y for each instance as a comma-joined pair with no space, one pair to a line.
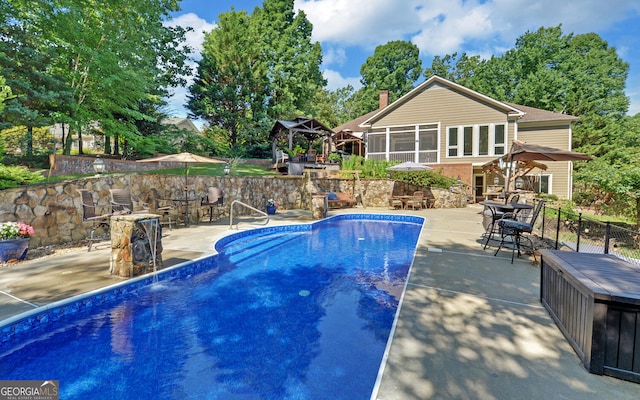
595,301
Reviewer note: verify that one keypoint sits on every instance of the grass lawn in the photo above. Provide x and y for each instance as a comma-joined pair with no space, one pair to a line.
194,170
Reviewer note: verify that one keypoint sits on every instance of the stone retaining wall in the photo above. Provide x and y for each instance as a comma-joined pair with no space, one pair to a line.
55,210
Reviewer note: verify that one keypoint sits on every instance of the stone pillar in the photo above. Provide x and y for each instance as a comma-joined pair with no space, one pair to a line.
319,206
132,244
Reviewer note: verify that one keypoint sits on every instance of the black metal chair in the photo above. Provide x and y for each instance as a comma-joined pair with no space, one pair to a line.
516,228
490,218
98,221
213,201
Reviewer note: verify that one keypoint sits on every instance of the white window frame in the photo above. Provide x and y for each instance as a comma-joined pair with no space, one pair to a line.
475,140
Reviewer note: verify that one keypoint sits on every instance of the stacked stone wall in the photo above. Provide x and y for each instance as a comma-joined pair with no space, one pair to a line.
55,209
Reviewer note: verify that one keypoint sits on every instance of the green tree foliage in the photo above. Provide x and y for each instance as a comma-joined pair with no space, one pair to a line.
292,60
230,86
255,69
5,92
612,181
395,67
579,75
26,63
113,58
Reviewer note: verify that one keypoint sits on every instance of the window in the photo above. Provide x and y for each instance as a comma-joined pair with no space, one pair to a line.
498,140
452,145
483,150
376,143
545,184
403,141
468,140
476,140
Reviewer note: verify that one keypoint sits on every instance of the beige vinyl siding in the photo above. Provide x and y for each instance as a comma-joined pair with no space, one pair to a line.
437,103
450,108
556,136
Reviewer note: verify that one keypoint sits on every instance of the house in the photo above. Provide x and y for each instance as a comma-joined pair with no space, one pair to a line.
93,137
458,130
348,138
181,123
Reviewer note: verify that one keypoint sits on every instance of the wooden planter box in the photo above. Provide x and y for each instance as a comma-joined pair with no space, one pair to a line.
595,301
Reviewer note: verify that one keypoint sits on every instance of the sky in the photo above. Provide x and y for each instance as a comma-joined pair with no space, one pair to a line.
350,30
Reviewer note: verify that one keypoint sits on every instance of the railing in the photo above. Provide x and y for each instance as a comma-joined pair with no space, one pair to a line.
574,232
246,206
430,156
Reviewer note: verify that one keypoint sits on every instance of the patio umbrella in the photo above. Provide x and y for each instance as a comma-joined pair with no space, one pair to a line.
522,151
409,166
186,158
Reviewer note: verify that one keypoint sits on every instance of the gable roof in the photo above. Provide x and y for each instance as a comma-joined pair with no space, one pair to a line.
525,113
182,123
354,125
309,127
532,114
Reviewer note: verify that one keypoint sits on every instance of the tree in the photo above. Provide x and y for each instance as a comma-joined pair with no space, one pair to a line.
5,92
115,55
394,66
292,60
228,91
254,69
615,174
26,62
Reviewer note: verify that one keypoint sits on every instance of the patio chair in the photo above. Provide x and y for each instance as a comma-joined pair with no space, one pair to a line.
98,221
213,201
158,205
490,218
415,201
516,228
281,157
429,199
121,202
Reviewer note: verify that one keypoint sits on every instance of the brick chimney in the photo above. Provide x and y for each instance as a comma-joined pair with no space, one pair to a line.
384,99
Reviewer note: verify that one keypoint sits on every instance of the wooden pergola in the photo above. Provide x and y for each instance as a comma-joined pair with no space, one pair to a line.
311,129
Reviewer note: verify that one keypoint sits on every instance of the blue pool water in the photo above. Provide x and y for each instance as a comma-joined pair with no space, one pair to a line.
300,312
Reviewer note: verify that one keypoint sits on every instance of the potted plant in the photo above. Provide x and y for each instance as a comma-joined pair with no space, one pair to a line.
272,206
14,240
334,158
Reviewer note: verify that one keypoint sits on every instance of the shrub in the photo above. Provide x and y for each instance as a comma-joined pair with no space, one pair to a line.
11,177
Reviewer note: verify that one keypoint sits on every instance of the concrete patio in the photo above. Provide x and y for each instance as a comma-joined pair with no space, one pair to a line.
471,324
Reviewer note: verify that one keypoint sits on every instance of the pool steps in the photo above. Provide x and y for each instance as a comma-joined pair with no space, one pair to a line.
238,251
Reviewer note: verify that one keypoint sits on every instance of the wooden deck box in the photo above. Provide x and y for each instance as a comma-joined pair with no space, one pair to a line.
595,301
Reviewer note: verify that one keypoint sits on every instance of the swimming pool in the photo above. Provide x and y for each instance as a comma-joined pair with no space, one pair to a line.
295,312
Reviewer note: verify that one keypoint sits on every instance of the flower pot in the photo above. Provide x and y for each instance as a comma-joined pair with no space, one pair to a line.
13,249
271,209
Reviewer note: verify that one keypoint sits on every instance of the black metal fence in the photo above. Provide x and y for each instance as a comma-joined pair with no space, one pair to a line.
574,232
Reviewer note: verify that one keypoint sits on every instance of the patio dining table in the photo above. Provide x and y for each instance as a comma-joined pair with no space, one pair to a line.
183,203
498,209
506,207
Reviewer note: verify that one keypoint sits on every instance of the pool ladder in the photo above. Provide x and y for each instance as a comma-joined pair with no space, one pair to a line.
246,206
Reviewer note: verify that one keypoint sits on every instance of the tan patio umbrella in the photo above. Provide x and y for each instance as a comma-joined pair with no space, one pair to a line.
522,151
186,158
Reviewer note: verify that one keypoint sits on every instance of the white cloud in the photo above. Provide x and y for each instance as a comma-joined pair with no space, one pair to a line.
332,55
444,26
195,38
335,80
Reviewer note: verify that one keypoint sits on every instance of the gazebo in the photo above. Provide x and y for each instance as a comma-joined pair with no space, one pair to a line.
311,129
